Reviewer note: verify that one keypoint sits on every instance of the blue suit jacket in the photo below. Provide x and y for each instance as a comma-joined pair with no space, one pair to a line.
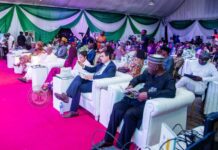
61,52
91,56
108,72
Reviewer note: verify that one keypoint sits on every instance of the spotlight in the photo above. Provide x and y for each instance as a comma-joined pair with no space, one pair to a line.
151,3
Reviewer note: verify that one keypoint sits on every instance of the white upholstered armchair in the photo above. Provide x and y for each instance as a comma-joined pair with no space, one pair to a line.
158,110
40,73
89,101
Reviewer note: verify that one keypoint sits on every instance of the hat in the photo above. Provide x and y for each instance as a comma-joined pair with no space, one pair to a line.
156,58
140,54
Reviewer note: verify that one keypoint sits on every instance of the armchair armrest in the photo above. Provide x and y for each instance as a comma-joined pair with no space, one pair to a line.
103,83
164,105
161,106
58,63
116,92
100,84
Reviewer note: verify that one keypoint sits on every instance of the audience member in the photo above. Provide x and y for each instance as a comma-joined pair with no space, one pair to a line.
101,39
168,63
198,74
158,83
21,40
83,84
62,49
69,62
91,51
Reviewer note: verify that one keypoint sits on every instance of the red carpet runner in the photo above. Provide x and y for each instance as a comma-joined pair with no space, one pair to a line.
24,126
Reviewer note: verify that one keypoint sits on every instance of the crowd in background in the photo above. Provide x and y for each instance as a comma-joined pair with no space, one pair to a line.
174,51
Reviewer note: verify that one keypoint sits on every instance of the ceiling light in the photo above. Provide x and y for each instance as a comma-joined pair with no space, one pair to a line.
151,3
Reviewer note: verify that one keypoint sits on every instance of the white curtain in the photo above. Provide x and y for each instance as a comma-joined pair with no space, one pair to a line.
128,31
204,33
185,34
150,28
191,32
82,26
160,33
107,27
15,27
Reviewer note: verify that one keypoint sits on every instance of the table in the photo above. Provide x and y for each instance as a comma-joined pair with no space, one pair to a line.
60,85
39,74
211,103
10,60
18,69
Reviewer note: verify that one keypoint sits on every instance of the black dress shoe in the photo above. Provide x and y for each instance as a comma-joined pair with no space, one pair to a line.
101,144
70,114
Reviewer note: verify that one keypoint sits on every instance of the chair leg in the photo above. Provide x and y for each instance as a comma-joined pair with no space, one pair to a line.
195,113
97,118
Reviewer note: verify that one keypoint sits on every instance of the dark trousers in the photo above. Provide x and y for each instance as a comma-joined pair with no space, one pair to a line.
131,110
5,51
75,89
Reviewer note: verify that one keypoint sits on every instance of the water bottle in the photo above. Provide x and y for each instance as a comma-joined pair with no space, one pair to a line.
61,106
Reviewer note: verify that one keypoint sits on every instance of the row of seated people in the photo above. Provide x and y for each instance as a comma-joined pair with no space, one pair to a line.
77,81
133,68
131,110
159,83
83,85
46,56
93,56
169,63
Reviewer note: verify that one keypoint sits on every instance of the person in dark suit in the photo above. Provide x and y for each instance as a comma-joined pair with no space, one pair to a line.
91,51
106,69
21,40
157,83
144,40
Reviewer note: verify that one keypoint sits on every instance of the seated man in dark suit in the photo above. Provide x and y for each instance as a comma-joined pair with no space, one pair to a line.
157,83
105,69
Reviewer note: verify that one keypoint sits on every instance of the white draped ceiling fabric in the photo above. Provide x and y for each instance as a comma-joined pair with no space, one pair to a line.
196,10
135,7
118,19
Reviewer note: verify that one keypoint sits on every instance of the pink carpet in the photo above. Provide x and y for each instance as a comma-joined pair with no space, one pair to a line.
24,126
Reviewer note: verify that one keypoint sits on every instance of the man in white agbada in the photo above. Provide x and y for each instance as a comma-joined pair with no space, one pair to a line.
202,71
44,59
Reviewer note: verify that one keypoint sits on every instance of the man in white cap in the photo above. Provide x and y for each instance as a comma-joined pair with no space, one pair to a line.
157,83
